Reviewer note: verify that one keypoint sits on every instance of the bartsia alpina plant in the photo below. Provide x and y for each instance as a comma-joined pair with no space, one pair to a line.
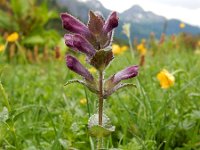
94,40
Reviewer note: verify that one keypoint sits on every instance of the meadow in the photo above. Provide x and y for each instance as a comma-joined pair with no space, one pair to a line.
45,114
38,111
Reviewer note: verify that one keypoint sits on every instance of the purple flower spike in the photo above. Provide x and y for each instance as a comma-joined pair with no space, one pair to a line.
79,43
73,25
126,73
74,65
111,22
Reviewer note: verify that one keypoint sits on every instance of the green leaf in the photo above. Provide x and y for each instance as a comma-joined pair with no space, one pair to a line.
101,59
109,92
91,86
100,131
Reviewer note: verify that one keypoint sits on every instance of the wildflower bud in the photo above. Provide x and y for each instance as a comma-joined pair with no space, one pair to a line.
79,43
73,25
74,65
111,22
126,73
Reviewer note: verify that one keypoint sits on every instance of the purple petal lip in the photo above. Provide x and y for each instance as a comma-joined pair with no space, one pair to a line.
79,43
73,25
111,22
74,65
126,73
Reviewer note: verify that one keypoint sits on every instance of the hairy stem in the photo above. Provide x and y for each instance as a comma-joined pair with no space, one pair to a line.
100,97
100,140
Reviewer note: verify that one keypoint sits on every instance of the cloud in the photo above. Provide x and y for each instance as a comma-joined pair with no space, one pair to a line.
176,12
190,4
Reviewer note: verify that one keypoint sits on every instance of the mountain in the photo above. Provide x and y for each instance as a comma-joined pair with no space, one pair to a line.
142,22
145,22
80,9
137,15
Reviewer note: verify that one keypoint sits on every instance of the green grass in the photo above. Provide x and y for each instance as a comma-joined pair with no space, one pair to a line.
47,115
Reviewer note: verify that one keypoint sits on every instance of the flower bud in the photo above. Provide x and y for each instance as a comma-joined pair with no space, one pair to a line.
111,22
73,25
126,73
74,65
79,43
112,82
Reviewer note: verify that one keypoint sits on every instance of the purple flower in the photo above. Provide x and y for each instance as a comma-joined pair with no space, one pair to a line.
74,65
111,23
79,43
98,32
73,25
126,73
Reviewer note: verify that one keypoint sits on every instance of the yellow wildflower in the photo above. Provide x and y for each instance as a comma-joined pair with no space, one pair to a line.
2,47
124,48
166,79
13,37
141,48
182,25
116,49
92,70
143,51
83,101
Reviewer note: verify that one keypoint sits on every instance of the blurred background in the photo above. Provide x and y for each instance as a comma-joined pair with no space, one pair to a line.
146,18
39,26
38,112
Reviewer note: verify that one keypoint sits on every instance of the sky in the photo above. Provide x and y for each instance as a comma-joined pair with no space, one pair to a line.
185,10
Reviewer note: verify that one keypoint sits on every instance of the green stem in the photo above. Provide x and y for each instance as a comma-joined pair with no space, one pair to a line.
100,97
131,47
100,140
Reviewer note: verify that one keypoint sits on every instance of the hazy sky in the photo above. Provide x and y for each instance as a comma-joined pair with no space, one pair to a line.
185,10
